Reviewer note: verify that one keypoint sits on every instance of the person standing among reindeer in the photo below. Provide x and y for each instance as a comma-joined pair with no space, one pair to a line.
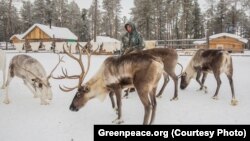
132,40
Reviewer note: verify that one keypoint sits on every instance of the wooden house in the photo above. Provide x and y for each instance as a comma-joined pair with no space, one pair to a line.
45,33
17,38
225,41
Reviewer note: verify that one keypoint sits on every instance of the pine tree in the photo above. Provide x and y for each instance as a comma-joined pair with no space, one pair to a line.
26,15
39,12
92,17
85,31
198,30
220,15
74,18
3,19
111,20
143,17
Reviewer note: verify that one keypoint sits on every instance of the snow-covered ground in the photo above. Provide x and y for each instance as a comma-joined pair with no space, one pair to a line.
25,119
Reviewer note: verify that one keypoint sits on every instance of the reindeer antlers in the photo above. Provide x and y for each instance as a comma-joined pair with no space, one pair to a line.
83,72
60,60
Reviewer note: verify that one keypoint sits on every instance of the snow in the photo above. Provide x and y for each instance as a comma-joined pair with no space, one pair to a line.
105,39
58,32
228,35
199,42
19,36
25,119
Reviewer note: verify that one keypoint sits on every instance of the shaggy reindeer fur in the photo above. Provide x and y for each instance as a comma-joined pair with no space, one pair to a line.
138,70
34,77
213,61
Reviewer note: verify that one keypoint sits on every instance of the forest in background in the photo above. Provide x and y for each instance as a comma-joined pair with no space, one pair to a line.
155,19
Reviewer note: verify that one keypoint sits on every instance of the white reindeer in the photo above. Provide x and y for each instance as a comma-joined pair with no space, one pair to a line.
34,76
3,64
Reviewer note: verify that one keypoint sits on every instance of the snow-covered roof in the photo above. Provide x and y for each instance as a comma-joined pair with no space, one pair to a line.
19,36
229,35
57,32
222,35
199,42
105,39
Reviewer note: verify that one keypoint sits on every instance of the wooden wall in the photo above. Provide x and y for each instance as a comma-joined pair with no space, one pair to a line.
37,34
226,43
16,40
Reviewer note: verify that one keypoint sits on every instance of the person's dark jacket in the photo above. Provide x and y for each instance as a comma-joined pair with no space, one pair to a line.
131,41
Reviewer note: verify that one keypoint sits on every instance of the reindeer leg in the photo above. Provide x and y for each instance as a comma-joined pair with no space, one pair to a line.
175,79
217,77
4,76
143,95
203,81
118,92
126,93
198,79
6,99
31,88
154,104
166,80
111,96
233,101
43,96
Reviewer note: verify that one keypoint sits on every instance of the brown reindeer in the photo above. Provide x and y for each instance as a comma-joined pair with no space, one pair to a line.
209,61
115,74
169,58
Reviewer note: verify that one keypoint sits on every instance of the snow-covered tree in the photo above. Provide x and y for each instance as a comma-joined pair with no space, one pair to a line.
95,18
143,16
26,15
75,21
3,19
111,17
198,27
39,12
85,28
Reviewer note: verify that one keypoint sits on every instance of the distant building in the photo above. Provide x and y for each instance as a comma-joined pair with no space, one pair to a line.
17,38
106,44
40,32
224,41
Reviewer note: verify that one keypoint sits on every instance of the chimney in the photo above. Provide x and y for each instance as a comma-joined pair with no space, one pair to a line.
50,23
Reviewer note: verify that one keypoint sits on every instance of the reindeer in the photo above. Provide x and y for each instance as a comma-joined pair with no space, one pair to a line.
209,61
115,74
34,77
169,58
3,64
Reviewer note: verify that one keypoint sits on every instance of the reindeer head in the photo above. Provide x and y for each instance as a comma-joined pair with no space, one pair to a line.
83,91
187,75
184,81
42,83
80,99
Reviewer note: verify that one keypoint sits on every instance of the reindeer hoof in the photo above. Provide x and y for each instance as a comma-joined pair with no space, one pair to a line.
159,96
125,97
118,121
174,98
234,102
44,103
116,110
215,98
6,101
35,96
